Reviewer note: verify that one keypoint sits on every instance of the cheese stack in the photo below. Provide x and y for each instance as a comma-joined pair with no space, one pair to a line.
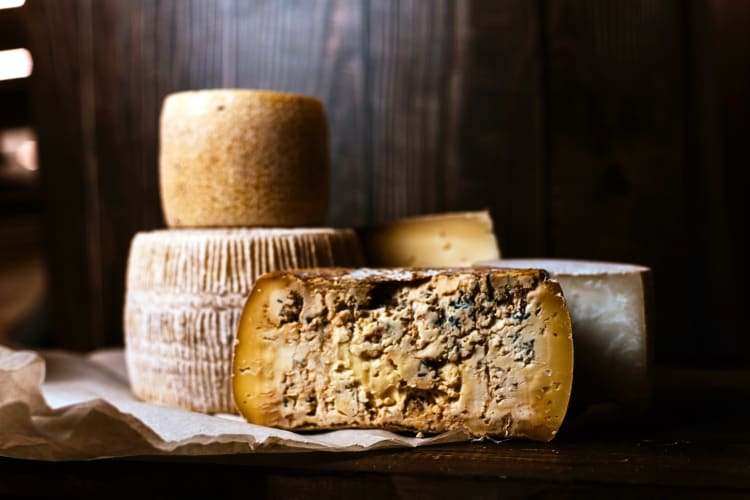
242,173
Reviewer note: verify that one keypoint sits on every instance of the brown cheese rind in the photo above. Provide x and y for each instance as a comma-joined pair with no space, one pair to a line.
235,157
487,351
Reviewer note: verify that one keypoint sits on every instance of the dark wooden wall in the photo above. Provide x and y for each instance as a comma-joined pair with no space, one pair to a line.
590,129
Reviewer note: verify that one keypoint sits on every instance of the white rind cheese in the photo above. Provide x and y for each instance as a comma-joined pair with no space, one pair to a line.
452,239
185,292
231,157
609,306
484,351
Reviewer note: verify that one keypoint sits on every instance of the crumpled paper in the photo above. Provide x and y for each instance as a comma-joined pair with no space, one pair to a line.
64,406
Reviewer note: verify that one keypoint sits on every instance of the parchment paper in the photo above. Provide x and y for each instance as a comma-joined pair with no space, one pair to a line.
63,406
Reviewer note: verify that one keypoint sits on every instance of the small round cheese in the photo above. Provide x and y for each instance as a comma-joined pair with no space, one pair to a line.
185,294
243,158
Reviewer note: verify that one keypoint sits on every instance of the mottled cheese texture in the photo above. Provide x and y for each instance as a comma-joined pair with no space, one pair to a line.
609,304
451,239
488,352
185,293
243,158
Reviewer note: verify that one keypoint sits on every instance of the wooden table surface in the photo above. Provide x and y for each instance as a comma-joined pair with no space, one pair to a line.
693,442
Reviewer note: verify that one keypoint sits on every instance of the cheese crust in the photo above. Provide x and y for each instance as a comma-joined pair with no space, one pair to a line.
486,351
243,158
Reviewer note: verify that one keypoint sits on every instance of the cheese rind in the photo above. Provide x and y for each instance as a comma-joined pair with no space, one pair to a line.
610,310
243,158
185,293
488,351
451,239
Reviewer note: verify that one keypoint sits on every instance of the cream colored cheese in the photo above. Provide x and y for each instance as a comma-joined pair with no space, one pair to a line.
451,239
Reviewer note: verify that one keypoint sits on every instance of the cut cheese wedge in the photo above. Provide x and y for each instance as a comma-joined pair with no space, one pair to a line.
451,239
243,158
185,293
484,351
609,306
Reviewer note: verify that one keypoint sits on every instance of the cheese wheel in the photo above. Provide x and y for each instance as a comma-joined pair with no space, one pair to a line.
185,292
484,351
243,158
610,307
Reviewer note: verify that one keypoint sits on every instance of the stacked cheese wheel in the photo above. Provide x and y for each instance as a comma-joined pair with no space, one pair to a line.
244,186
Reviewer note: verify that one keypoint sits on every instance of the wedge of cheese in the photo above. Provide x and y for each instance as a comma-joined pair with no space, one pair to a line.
484,351
451,239
185,292
243,158
610,306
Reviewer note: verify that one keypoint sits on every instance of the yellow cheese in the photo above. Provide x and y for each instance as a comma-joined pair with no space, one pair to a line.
243,158
609,306
485,351
443,240
185,293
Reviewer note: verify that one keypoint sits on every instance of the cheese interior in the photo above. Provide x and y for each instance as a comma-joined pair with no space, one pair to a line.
487,352
609,307
442,240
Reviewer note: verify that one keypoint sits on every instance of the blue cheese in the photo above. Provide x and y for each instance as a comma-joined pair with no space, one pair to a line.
485,351
609,306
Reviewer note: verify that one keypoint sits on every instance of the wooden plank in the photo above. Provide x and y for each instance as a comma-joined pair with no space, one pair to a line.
13,28
454,110
14,103
14,94
314,48
719,78
62,117
618,181
499,123
125,139
119,479
408,49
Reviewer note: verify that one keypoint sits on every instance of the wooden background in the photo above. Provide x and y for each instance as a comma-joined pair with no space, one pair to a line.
609,130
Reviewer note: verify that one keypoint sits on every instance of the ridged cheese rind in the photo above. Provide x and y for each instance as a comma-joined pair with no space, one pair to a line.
185,293
242,157
488,352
